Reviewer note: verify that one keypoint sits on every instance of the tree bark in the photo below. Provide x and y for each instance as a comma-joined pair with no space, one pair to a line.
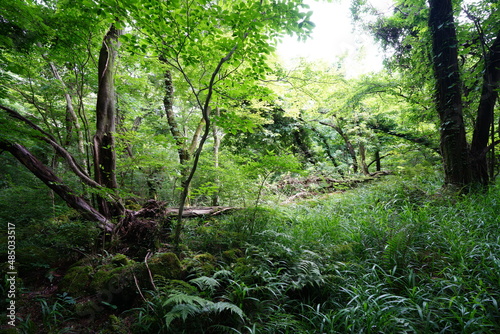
47,176
104,143
485,114
362,154
168,103
196,137
448,93
71,117
377,160
217,140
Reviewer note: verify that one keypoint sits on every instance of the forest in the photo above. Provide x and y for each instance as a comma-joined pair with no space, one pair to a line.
163,170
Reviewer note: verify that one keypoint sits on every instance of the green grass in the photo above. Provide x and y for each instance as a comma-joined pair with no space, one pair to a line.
395,256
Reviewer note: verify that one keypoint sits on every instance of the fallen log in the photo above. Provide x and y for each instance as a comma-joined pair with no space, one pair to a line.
156,209
154,221
203,211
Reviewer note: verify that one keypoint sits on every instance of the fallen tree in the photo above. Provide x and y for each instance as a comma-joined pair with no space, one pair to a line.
47,176
151,209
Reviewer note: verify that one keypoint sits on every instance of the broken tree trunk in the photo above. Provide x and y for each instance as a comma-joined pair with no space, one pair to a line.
104,142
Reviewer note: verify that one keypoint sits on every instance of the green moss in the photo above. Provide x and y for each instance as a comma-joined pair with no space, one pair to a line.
102,278
76,281
115,282
116,285
232,255
132,205
172,285
166,265
205,258
120,260
86,309
115,326
201,264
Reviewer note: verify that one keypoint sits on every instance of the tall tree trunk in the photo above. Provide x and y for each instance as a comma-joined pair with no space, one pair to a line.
362,154
104,143
377,160
215,195
168,103
47,176
183,151
205,112
71,117
485,114
196,137
448,93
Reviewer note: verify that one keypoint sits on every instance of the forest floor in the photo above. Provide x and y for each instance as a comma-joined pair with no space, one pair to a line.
395,256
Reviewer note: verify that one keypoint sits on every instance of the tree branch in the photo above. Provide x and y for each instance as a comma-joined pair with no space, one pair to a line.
48,138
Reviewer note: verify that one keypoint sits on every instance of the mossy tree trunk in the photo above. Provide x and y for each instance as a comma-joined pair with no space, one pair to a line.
104,142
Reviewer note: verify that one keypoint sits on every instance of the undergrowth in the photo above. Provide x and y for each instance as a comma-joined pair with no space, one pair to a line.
396,256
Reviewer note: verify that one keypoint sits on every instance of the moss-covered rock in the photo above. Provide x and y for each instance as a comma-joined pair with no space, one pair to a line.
103,277
117,285
115,326
77,280
166,265
120,260
87,309
117,281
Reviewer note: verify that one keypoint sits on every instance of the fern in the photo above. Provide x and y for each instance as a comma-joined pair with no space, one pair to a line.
307,273
225,274
182,311
206,283
396,249
185,306
271,234
221,307
181,298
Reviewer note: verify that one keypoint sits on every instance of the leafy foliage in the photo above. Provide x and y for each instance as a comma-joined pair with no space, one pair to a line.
400,255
